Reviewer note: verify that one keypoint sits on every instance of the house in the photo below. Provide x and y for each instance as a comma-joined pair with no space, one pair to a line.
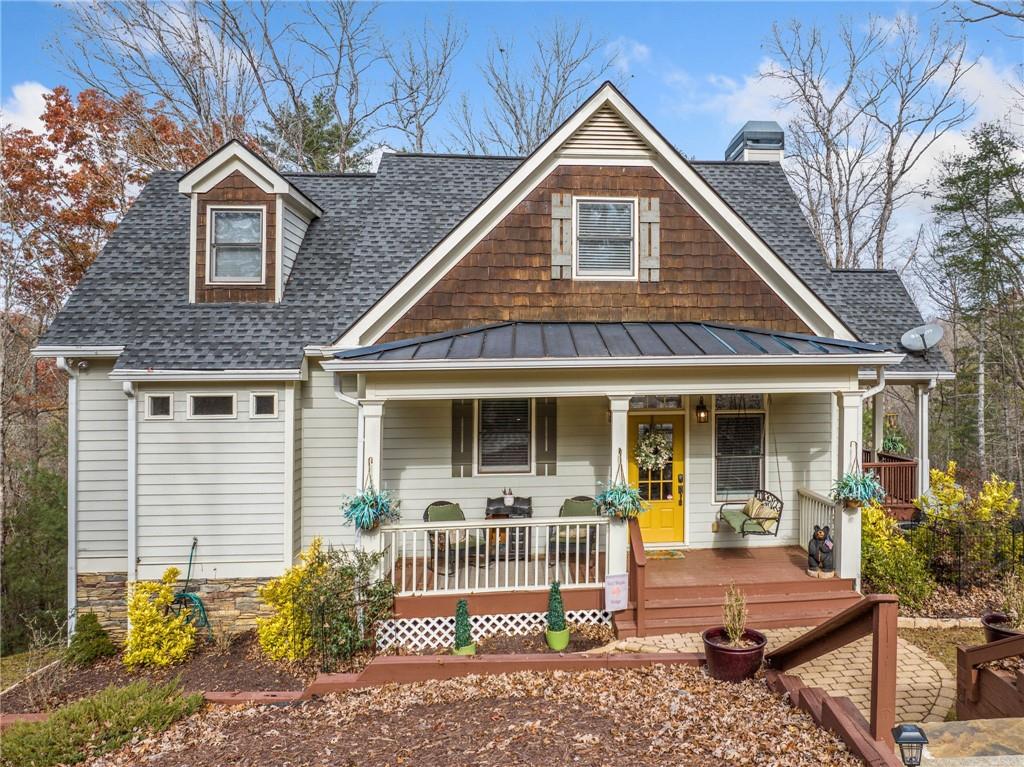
252,345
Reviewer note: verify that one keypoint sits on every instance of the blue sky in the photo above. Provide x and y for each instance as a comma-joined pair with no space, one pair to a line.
692,66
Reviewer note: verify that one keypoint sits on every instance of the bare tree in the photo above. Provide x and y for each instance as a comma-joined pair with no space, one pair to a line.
528,101
862,121
421,79
977,11
173,55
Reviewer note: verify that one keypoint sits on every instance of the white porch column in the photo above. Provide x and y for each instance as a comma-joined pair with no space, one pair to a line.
618,536
921,452
371,417
877,423
847,532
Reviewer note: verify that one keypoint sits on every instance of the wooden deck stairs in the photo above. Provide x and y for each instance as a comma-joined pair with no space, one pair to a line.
687,595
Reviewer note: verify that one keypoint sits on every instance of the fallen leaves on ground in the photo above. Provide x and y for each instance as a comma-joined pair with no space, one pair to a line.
665,715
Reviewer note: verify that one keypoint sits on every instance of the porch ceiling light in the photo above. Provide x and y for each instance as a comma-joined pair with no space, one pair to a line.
701,411
911,740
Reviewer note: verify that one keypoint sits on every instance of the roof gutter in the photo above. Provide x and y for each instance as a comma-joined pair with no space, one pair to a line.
762,360
76,351
129,374
871,392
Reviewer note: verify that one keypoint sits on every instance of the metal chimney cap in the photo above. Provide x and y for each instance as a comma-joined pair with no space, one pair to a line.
756,134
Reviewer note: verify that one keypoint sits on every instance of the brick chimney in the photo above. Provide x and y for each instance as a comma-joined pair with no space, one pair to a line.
762,140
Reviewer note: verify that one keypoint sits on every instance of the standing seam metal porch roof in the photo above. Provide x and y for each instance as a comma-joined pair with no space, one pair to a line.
595,340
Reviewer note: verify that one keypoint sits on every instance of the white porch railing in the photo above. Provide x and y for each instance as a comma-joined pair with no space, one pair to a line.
814,510
495,555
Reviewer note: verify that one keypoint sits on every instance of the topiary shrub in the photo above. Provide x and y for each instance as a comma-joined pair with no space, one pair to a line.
463,631
556,608
888,562
89,643
287,634
156,636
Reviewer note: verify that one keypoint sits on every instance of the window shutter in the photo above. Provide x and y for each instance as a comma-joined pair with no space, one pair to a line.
561,236
547,437
650,239
462,438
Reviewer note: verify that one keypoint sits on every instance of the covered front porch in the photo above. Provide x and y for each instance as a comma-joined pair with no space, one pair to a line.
456,432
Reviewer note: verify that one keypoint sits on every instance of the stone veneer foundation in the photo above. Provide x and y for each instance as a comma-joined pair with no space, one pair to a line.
232,604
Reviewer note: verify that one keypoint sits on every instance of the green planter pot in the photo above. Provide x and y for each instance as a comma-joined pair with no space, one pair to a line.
557,640
469,649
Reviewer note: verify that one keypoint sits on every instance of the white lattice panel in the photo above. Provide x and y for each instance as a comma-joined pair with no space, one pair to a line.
425,633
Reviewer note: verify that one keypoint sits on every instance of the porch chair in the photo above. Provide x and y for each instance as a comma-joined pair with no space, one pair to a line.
758,515
453,544
565,541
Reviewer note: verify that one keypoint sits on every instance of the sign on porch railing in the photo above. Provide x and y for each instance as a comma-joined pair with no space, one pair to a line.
495,555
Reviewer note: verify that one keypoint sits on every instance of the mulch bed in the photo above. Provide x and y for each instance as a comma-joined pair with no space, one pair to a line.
623,718
946,603
580,640
209,668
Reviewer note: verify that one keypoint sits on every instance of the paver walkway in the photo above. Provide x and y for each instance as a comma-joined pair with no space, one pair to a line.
925,689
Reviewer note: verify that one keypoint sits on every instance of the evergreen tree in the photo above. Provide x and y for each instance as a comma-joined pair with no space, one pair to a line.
463,634
311,139
556,610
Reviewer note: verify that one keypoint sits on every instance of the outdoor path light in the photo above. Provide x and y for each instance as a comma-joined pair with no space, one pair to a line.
911,740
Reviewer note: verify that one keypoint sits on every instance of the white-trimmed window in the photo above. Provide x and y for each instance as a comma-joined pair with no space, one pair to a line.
159,407
263,404
211,406
739,427
605,244
236,245
504,436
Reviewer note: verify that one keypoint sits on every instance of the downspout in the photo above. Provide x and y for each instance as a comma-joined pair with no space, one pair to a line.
129,391
880,373
68,367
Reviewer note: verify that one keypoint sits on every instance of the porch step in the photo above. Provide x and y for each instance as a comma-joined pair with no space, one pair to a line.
801,585
811,614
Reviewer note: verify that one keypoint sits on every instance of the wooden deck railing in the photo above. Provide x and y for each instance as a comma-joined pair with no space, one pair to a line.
897,475
477,555
986,693
814,509
637,575
875,615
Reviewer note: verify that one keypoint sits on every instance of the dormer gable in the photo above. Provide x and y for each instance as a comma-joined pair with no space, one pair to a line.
247,224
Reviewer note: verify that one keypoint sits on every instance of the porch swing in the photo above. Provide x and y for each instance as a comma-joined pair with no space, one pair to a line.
760,514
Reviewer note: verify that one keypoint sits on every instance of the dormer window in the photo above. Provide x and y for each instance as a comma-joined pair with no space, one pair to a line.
236,246
605,246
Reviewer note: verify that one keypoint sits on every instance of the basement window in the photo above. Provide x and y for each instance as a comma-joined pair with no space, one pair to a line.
605,246
236,245
159,407
211,405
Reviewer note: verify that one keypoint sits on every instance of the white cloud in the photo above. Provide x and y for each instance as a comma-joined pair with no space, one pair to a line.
625,52
25,107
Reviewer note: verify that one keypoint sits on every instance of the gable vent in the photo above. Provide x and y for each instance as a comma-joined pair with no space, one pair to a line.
606,132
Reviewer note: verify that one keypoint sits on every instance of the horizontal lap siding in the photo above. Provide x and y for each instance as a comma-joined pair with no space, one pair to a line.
799,432
221,480
292,231
328,459
416,461
102,529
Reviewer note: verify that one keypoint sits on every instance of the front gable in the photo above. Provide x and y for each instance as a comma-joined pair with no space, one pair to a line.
508,275
607,133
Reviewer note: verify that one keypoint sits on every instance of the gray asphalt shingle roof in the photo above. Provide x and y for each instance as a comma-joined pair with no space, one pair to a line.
374,229
521,340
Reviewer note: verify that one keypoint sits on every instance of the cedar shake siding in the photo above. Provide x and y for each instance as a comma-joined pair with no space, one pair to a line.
237,189
507,276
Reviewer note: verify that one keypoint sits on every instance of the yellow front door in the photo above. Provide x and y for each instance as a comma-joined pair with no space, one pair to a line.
662,489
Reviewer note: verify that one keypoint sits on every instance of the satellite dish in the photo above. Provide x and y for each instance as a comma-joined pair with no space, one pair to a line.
923,337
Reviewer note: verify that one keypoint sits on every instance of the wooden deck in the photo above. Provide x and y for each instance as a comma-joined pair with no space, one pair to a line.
686,595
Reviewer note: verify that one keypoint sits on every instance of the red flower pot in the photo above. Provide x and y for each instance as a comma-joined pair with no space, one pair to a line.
733,664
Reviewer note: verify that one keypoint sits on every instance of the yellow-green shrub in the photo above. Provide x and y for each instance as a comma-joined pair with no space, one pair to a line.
888,562
287,634
156,637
